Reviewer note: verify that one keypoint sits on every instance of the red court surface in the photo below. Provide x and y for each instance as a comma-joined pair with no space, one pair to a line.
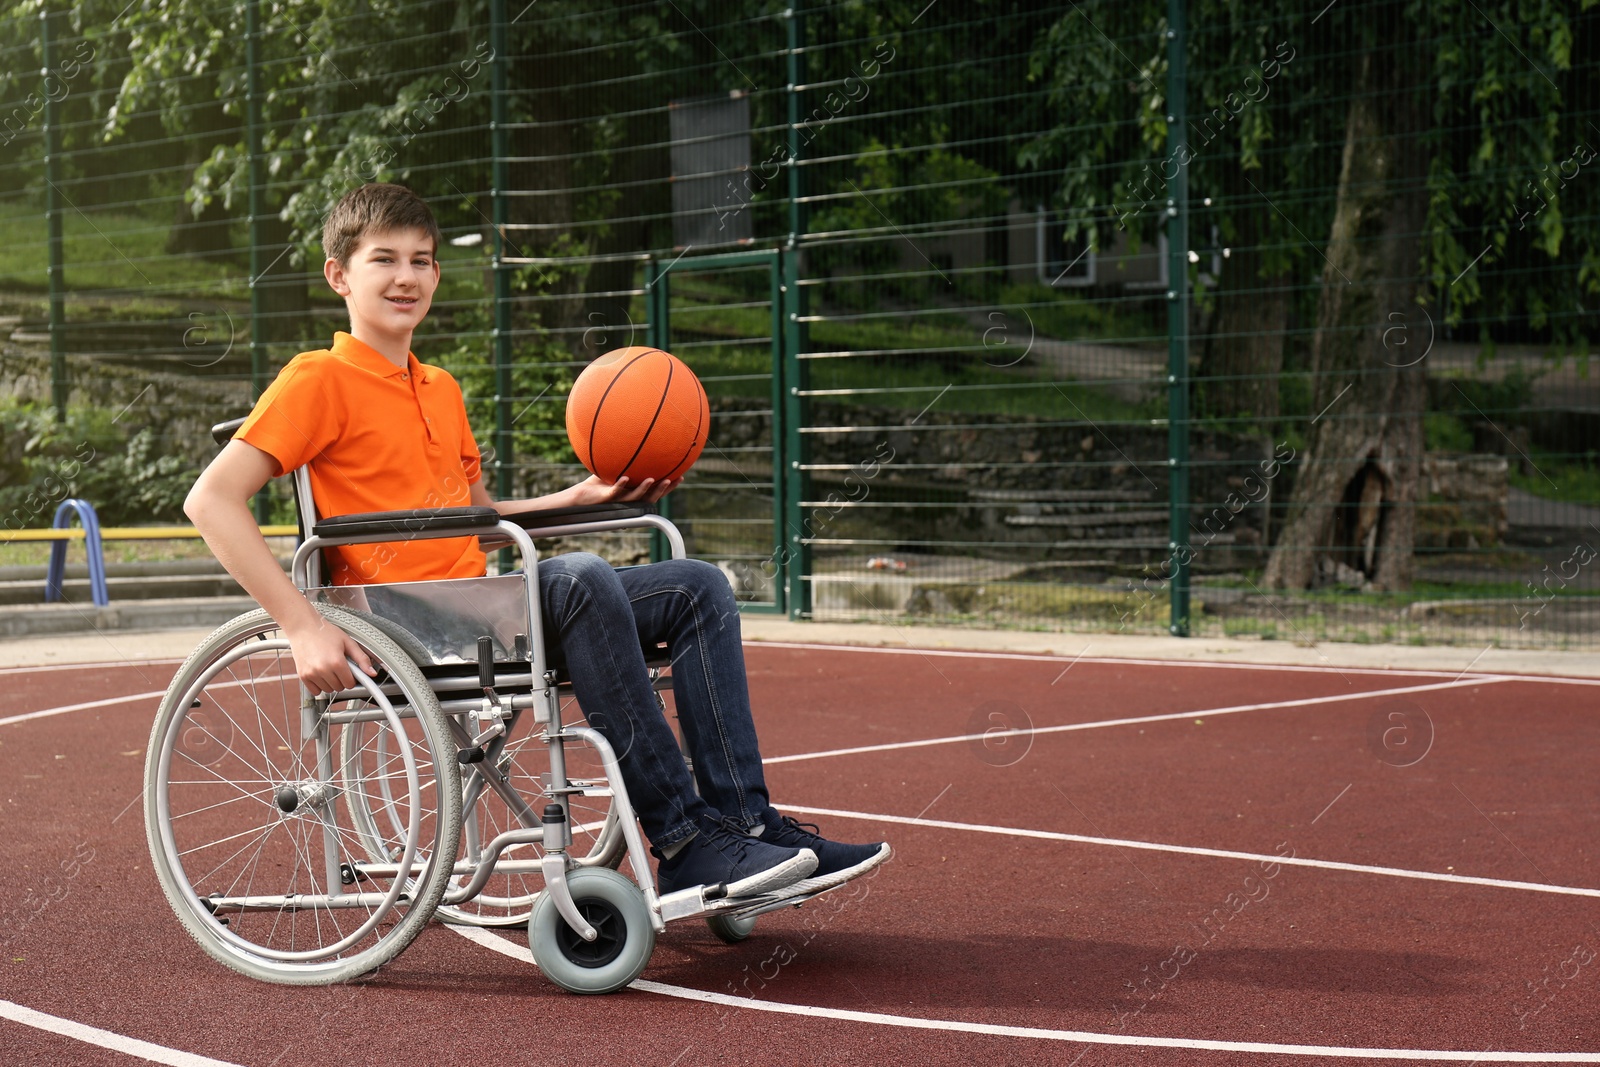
1096,862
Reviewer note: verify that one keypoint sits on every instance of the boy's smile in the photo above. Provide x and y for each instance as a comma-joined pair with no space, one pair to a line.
388,287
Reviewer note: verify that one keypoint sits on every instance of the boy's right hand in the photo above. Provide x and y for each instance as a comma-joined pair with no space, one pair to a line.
320,652
596,490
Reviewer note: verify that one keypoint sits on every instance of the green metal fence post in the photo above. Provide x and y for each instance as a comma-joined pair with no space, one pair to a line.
777,287
53,220
257,205
657,335
500,334
499,179
797,560
1178,317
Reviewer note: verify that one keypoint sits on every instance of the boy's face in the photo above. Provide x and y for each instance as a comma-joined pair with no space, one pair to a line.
389,283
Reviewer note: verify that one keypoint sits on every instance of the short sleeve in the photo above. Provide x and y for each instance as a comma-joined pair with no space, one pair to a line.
297,417
471,458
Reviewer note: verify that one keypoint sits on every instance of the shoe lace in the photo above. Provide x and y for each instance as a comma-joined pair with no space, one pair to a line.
735,838
808,829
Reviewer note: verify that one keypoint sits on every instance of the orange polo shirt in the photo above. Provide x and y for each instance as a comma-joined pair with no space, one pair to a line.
378,438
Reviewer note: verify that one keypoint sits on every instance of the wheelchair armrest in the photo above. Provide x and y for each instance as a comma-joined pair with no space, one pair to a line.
223,432
547,517
418,520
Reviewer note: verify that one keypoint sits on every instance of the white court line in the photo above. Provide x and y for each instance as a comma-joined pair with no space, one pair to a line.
139,696
1195,850
47,712
124,663
1214,664
1041,657
1099,723
1479,677
93,1035
498,944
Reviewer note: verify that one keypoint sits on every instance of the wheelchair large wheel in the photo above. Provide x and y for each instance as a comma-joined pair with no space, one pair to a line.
247,805
616,909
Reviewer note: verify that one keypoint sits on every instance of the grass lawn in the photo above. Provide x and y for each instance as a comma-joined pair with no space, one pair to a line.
1560,478
107,251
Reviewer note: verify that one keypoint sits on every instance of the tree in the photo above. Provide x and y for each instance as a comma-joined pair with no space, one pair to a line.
1416,178
1253,137
1446,117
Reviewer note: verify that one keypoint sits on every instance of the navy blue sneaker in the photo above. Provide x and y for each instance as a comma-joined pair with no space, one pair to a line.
723,852
836,863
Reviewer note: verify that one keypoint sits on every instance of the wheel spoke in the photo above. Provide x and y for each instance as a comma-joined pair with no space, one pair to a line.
264,832
223,747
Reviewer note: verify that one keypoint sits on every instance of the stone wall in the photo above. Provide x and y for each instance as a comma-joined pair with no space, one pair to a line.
1012,486
180,409
1466,501
1017,487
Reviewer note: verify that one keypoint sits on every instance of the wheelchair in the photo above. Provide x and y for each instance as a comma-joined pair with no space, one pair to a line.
308,840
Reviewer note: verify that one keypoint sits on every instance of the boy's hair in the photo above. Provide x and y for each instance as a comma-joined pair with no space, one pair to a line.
377,207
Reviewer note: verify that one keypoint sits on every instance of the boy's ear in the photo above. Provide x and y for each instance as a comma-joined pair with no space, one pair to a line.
334,272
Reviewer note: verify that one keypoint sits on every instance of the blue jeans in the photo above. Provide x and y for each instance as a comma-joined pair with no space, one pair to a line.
596,619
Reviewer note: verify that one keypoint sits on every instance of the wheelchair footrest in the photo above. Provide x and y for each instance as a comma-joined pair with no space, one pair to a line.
750,907
697,900
713,900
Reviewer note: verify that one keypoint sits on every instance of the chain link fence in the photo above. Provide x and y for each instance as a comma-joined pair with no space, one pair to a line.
1148,317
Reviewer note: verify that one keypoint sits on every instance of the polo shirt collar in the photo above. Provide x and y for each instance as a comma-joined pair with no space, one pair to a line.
370,359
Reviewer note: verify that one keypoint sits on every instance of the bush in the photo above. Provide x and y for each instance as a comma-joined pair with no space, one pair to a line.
45,460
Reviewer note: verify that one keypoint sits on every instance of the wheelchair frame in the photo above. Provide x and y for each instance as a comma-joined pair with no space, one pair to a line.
591,928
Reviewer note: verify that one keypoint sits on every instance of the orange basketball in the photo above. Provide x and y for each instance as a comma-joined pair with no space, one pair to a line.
639,412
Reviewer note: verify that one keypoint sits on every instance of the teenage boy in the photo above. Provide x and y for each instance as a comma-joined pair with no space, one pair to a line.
383,432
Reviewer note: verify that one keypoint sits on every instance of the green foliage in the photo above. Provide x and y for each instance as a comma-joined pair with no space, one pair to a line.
45,460
1560,477
1510,133
893,191
1510,396
1105,68
1446,433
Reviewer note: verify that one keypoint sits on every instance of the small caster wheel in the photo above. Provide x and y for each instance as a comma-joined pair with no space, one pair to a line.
730,928
613,905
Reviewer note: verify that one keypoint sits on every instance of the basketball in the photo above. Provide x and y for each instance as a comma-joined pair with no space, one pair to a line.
638,412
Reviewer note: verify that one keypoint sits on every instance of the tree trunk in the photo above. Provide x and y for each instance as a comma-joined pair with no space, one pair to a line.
1354,500
1242,357
207,234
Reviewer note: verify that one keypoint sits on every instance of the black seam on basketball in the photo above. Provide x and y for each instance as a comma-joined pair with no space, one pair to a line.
666,387
699,421
602,402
